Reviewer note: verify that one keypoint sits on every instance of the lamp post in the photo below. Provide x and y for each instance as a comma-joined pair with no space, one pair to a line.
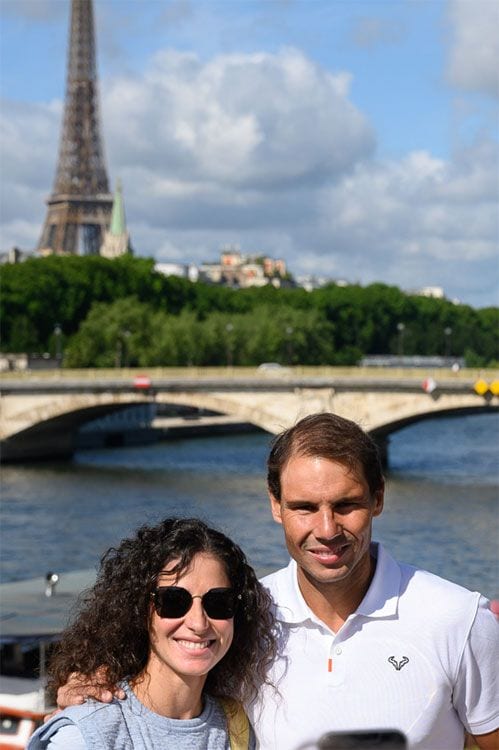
58,344
122,354
119,352
289,343
228,330
448,334
400,344
126,346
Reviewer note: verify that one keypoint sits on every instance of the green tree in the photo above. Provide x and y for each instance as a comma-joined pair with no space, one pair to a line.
118,334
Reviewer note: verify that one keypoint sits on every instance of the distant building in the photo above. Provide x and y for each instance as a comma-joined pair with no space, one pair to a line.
192,272
210,273
250,269
21,361
252,274
430,291
15,255
182,270
9,362
172,269
235,269
310,282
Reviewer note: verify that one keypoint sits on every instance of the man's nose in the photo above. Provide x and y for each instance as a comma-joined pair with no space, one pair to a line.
327,526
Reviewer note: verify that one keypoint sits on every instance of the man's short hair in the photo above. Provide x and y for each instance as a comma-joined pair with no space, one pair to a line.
325,435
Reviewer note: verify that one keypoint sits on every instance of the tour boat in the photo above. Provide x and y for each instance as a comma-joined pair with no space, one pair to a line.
32,616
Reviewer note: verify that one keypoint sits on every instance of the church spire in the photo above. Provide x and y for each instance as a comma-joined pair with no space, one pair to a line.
118,222
117,238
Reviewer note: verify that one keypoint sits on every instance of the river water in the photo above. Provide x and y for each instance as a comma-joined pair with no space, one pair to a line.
441,507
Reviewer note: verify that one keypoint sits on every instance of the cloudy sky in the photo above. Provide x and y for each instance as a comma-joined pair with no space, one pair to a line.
357,139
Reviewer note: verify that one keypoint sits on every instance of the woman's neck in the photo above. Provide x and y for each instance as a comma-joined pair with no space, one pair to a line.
170,695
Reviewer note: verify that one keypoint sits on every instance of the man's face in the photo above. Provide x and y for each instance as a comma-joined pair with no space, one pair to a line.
326,511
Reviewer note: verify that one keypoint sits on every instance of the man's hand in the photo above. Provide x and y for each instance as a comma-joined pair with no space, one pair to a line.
79,688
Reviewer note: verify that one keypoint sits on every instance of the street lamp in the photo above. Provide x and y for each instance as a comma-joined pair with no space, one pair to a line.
58,344
289,342
228,329
126,345
448,334
400,329
122,349
119,352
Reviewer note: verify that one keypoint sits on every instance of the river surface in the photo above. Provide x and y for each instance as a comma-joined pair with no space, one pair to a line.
441,507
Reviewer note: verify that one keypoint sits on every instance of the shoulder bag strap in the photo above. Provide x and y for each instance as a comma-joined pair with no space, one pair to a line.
237,723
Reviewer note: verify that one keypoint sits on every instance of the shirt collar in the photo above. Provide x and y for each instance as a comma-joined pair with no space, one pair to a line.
290,604
381,599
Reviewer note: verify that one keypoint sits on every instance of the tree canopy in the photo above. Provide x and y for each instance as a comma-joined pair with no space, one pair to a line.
122,312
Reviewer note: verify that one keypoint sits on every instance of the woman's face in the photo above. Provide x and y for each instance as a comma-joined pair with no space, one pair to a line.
191,645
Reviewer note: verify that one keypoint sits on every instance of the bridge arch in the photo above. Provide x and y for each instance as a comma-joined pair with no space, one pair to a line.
383,433
55,435
35,419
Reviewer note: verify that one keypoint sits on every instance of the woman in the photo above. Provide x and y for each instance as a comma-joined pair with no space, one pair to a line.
181,622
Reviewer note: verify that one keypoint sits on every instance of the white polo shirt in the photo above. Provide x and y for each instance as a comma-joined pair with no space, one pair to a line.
419,655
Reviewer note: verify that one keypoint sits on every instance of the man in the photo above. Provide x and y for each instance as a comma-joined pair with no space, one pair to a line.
365,643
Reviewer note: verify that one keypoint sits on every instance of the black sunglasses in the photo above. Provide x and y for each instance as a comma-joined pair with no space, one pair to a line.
175,601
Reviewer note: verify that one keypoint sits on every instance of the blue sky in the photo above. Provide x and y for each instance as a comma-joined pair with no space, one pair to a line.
358,139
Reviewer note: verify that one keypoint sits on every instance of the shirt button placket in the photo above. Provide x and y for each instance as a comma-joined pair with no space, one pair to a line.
336,664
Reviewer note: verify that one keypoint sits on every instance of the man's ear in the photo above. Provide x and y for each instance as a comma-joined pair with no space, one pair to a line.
379,500
275,507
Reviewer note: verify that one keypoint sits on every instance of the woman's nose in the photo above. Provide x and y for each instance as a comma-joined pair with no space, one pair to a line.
196,618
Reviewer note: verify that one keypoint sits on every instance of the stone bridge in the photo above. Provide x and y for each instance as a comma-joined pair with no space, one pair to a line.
39,418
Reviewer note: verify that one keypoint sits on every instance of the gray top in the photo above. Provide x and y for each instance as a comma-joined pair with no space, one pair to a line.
129,725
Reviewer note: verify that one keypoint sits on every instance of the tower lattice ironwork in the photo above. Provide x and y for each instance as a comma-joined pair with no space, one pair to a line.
79,209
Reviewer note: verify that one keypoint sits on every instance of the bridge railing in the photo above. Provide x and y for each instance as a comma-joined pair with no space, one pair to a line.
234,373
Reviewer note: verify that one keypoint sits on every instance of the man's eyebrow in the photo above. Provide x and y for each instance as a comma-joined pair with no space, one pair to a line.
297,501
335,501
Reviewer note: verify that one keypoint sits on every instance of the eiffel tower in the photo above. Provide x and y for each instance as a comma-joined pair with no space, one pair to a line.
79,209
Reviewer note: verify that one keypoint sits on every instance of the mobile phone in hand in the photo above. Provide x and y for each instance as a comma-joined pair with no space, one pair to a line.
382,740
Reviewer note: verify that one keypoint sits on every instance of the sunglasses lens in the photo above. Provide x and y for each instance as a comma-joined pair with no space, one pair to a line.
175,601
219,604
172,601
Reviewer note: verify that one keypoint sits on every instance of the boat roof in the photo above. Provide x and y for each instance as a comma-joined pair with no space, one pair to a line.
27,613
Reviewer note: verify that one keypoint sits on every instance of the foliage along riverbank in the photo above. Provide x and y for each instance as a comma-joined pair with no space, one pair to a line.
123,313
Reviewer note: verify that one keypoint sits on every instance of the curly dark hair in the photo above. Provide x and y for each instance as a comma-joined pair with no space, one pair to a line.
111,629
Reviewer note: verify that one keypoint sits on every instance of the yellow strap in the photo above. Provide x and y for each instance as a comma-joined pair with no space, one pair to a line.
237,723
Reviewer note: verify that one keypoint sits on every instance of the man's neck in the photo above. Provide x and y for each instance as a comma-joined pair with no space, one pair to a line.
334,602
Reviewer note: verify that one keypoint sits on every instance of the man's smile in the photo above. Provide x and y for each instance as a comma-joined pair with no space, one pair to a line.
327,554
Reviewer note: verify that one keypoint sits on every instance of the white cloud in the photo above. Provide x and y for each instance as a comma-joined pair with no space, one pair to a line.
266,150
473,62
418,221
28,140
249,121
